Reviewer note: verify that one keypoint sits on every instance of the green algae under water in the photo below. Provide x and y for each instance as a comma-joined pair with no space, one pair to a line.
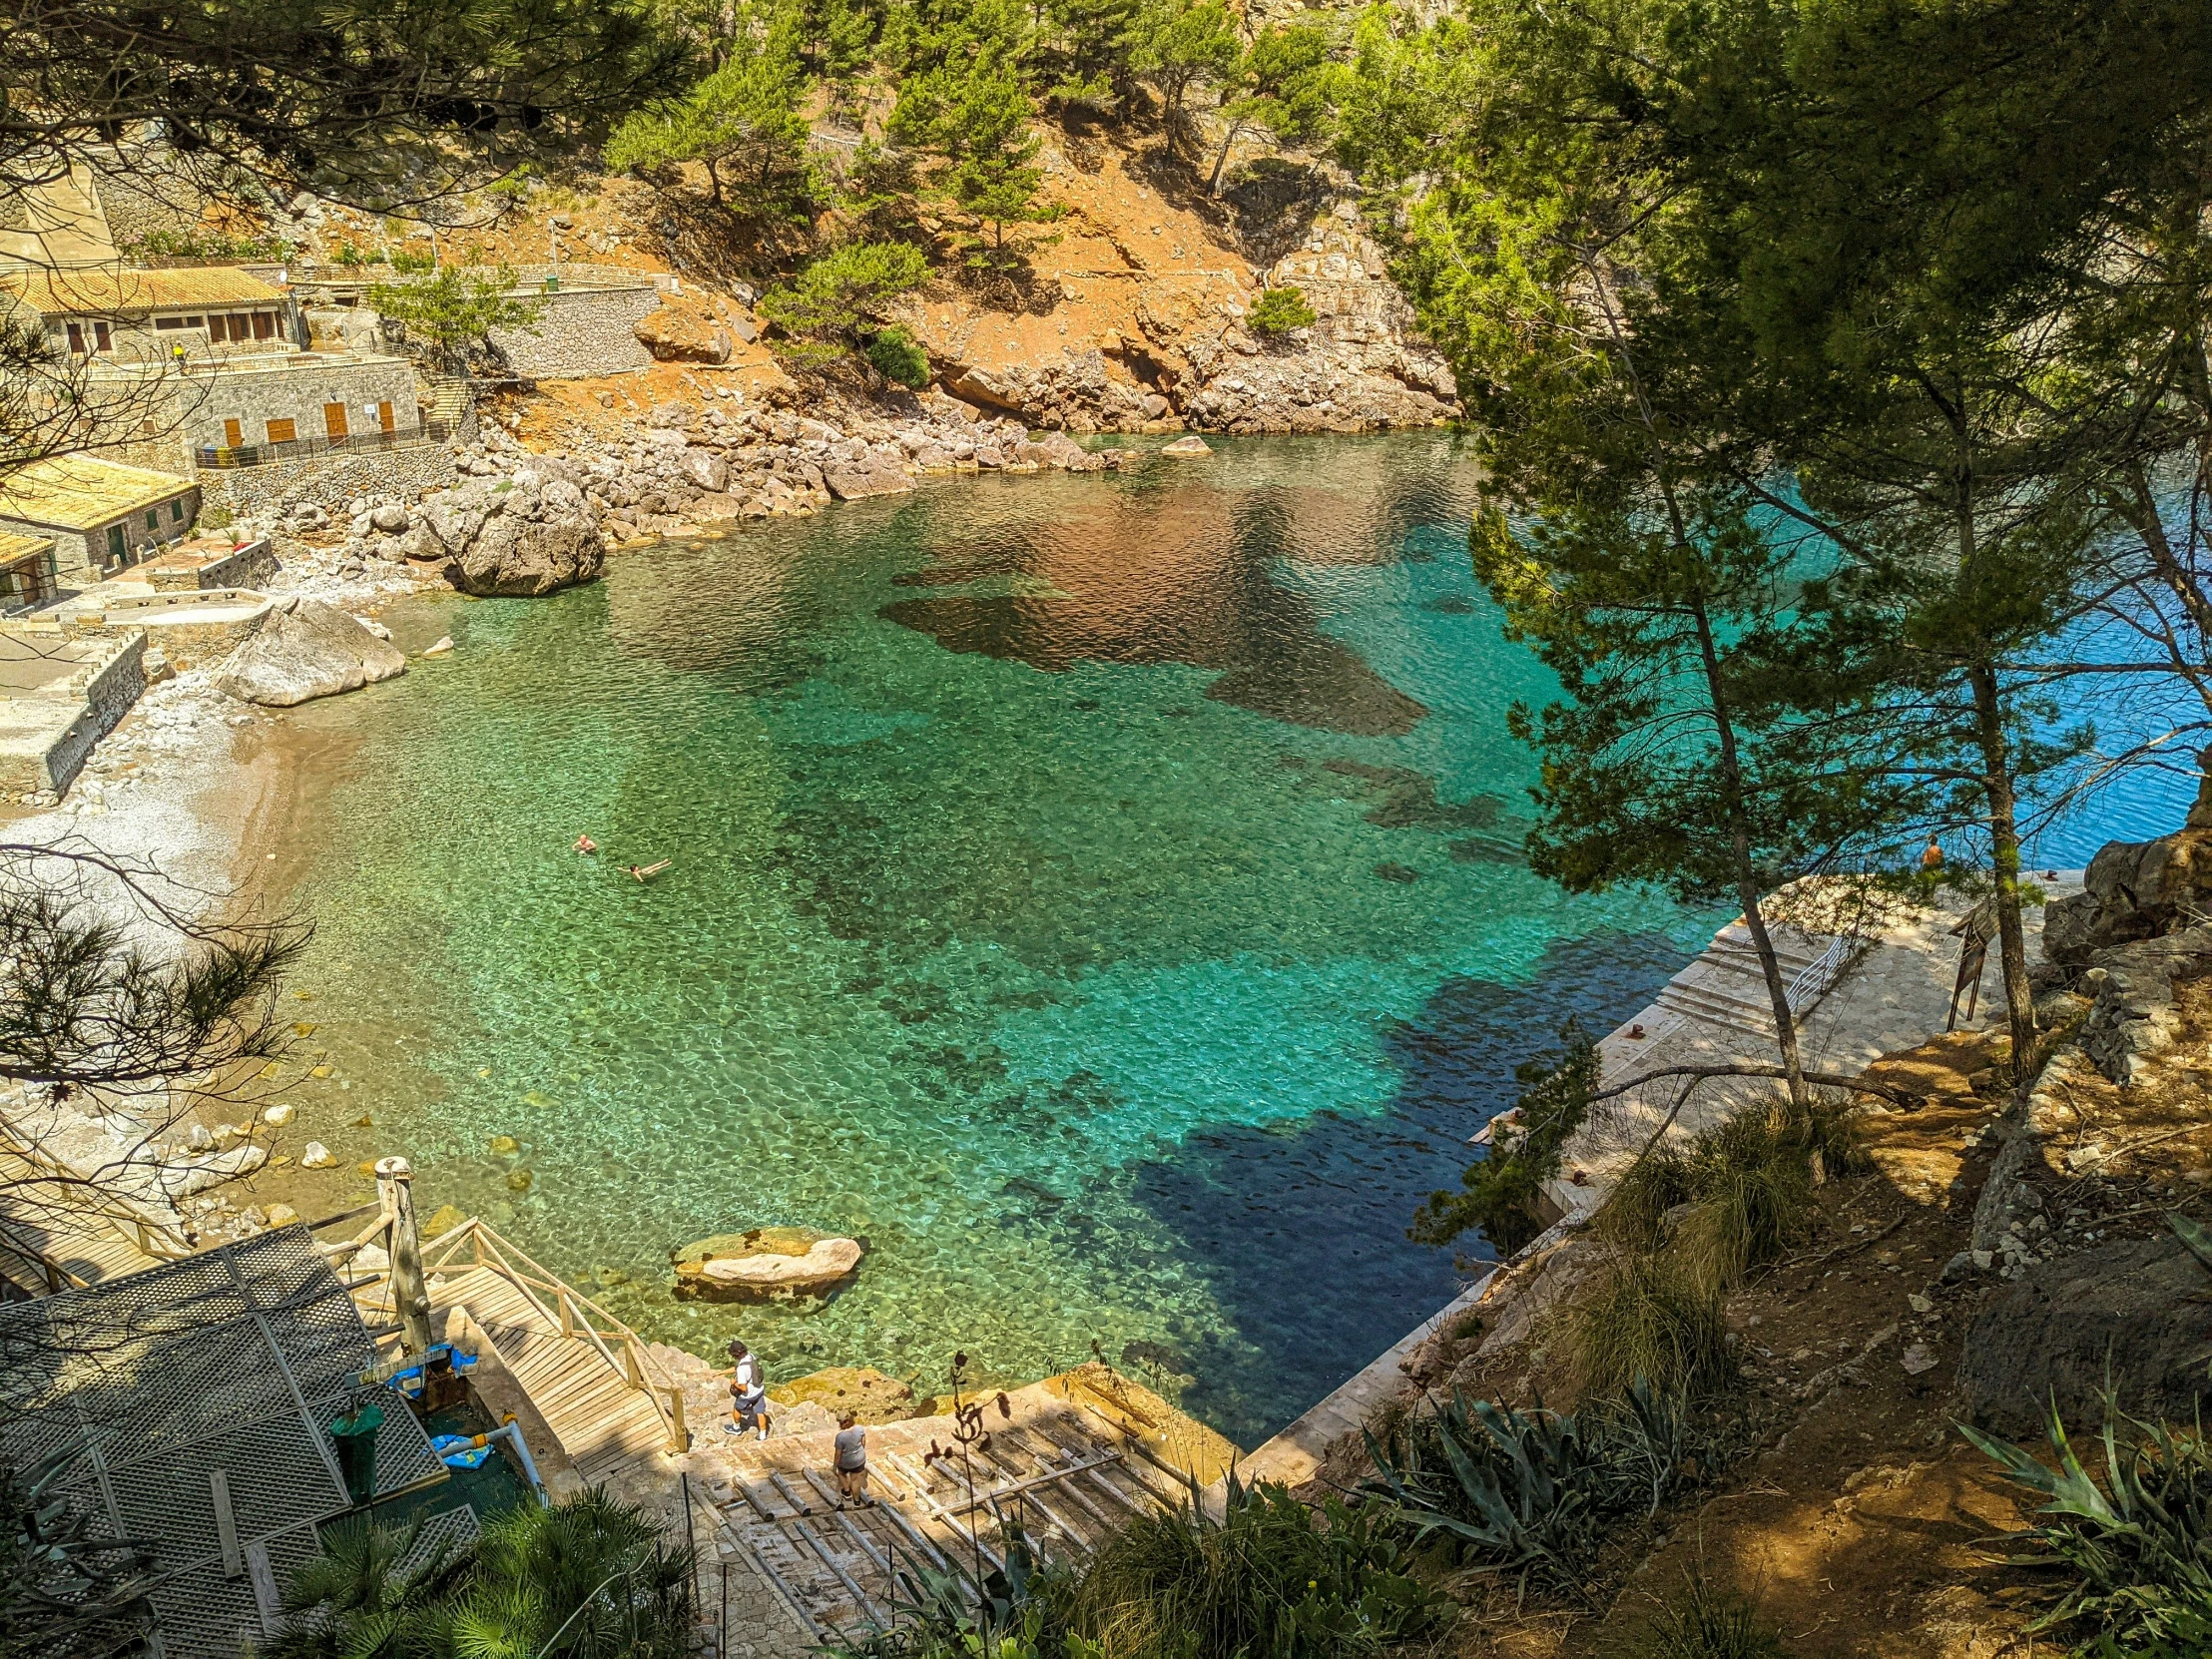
1098,893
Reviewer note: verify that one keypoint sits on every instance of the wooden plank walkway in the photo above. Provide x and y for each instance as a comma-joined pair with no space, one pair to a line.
604,1423
48,1231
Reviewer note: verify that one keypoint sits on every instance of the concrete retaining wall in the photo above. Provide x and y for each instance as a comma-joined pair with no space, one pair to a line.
584,333
329,482
108,687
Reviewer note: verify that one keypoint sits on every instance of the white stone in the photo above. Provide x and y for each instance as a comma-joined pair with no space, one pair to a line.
276,1116
316,1156
443,647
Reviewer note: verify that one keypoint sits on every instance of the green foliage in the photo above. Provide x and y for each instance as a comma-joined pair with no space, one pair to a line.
1704,1621
1500,1193
824,311
62,1590
743,124
1532,1496
970,117
1655,1316
1279,311
1087,52
1177,46
586,1579
1271,1576
880,190
1287,82
2139,1543
210,245
408,262
897,356
453,310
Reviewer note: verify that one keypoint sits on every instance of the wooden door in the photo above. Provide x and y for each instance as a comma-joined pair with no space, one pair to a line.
333,419
283,431
383,416
233,436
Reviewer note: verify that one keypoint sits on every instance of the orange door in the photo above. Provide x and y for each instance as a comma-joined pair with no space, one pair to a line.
383,416
333,419
233,436
282,431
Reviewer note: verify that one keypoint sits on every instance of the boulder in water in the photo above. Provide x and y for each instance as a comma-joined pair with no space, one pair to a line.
868,1393
768,1264
305,649
1190,448
851,481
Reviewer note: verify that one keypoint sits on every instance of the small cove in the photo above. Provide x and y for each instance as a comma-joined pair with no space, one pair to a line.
1100,894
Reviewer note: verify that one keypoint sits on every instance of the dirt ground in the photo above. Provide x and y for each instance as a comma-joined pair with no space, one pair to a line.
1861,1523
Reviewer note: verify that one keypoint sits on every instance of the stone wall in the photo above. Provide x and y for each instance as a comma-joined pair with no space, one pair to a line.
584,333
297,394
330,481
109,688
82,556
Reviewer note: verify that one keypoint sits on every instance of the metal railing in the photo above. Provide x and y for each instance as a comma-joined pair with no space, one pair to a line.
219,458
1814,978
569,1311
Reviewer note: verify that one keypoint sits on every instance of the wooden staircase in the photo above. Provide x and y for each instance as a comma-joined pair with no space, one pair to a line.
59,1232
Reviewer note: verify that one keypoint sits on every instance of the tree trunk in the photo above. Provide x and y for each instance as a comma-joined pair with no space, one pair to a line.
2004,847
1228,140
1739,842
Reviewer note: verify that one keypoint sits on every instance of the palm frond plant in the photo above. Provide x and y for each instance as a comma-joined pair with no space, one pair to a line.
2139,1543
1529,1495
64,1592
366,1596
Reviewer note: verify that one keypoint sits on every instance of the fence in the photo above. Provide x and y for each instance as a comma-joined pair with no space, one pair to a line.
221,458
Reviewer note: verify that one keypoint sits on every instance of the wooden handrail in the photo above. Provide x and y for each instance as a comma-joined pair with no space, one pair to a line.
148,1232
577,1316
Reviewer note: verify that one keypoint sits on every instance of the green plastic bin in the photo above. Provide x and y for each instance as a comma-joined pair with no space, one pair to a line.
355,1436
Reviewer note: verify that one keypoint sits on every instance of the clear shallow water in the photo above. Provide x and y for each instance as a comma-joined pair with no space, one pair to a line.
1099,893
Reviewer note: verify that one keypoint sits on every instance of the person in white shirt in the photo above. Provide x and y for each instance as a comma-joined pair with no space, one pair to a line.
748,1392
852,1461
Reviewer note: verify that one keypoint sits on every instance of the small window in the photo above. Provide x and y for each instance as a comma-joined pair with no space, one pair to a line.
100,332
77,339
283,431
196,322
152,519
265,325
177,511
169,322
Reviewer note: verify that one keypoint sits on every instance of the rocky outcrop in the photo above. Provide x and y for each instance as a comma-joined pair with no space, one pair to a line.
766,1263
674,335
304,650
2137,890
2135,1311
864,478
2131,991
520,536
869,1394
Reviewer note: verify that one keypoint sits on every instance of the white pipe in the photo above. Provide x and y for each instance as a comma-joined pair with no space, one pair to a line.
511,1432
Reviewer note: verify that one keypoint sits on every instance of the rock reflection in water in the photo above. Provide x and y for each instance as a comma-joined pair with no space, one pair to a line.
1184,577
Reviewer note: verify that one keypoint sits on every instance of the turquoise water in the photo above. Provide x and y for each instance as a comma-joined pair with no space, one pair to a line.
1098,893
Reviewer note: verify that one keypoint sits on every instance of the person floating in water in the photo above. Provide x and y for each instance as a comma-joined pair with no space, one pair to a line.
584,844
650,870
748,1392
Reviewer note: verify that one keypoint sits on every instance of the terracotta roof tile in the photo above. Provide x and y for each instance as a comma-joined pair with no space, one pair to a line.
107,290
82,492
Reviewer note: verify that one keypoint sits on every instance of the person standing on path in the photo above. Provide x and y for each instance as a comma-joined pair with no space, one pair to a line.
852,1461
747,1391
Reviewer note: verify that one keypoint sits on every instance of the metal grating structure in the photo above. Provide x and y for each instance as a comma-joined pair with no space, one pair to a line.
196,1398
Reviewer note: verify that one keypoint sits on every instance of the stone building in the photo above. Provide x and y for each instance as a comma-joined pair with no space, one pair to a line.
100,515
585,325
205,368
27,578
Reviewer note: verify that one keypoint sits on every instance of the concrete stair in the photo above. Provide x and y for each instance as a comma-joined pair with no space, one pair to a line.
1724,985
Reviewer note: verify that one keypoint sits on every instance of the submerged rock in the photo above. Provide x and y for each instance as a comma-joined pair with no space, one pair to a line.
1191,446
305,649
768,1264
868,1393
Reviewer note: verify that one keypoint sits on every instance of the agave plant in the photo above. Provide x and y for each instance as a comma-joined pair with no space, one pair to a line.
2140,1542
1527,1494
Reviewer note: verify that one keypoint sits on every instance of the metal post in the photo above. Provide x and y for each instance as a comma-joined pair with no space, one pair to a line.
411,1297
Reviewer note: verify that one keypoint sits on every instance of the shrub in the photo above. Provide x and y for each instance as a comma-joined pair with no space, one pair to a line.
1656,1317
1704,1621
1279,311
898,359
591,1572
2139,1543
1531,1495
1264,1579
1500,1193
823,312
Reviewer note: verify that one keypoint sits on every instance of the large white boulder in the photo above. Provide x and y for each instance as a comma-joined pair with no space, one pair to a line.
514,537
305,649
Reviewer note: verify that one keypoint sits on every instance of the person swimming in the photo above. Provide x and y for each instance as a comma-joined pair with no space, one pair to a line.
650,870
584,844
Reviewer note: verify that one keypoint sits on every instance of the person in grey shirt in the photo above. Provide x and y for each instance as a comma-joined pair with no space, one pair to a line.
852,1461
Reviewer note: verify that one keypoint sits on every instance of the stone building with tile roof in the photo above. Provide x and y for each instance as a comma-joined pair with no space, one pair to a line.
99,515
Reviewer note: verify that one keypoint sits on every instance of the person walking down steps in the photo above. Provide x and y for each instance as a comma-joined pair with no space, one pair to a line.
852,1462
748,1392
